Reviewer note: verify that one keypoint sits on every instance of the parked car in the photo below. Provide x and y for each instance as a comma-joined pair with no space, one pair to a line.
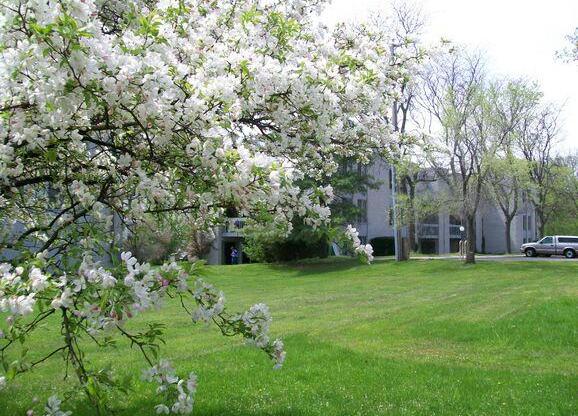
562,245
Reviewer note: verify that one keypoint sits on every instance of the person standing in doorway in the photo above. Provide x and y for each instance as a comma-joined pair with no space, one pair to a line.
234,256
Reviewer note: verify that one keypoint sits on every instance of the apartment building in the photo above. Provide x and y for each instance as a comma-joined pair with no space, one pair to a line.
439,233
436,234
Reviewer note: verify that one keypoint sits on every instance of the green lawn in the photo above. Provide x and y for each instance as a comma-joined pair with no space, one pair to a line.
420,338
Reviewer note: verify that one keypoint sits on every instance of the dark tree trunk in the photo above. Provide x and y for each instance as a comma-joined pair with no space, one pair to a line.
406,248
412,239
411,228
403,242
508,235
403,245
471,238
541,223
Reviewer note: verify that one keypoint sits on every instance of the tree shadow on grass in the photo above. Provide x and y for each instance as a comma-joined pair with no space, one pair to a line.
317,266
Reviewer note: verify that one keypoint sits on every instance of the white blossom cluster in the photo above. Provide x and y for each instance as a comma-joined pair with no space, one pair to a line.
53,407
142,288
252,324
279,353
365,251
178,391
18,292
258,319
210,302
249,110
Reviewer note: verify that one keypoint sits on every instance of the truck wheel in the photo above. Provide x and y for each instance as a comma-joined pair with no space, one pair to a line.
530,252
569,253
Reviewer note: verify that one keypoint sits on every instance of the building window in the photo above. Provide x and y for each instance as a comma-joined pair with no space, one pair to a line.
455,220
524,222
529,221
349,207
390,178
390,216
362,210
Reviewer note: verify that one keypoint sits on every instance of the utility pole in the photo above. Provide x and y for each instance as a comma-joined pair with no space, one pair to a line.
397,235
396,231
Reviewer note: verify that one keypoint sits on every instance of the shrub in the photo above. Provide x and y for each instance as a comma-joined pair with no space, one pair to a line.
268,244
383,246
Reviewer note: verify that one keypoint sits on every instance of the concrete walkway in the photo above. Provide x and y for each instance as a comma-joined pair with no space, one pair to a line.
484,257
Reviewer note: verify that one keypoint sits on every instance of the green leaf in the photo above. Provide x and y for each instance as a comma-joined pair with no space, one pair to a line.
244,65
11,372
51,155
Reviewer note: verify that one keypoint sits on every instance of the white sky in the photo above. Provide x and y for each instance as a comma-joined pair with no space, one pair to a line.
520,38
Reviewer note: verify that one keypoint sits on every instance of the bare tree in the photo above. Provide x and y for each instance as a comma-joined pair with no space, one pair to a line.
564,200
570,52
453,96
511,102
537,137
569,160
507,182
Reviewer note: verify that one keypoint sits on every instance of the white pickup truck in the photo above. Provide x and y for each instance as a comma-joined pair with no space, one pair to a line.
561,245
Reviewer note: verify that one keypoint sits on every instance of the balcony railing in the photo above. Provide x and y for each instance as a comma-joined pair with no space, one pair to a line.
234,227
433,231
428,230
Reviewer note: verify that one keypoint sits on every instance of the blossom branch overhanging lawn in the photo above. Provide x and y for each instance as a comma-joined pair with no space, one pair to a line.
95,303
113,111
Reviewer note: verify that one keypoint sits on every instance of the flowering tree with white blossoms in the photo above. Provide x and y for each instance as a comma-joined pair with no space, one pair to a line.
365,251
113,110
